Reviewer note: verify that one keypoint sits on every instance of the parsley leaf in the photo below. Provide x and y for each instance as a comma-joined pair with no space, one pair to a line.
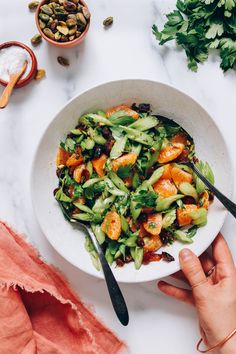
124,171
200,25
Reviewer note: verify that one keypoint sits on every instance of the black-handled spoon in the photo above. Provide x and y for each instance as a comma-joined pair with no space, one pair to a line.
117,299
228,204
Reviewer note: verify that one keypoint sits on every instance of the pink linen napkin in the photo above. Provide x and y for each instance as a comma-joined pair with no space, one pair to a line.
39,313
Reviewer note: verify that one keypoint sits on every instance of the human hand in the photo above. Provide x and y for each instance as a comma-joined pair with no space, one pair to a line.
214,296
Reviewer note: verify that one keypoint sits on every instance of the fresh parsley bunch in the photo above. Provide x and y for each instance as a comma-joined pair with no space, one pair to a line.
201,25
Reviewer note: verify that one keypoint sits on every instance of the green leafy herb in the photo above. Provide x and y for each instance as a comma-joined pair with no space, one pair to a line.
124,171
145,199
200,25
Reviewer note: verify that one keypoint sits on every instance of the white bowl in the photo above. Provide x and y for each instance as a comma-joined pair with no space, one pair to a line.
165,100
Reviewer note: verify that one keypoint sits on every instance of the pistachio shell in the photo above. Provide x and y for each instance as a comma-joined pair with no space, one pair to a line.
44,17
46,10
86,12
69,6
71,22
49,33
71,38
75,2
63,29
36,39
33,5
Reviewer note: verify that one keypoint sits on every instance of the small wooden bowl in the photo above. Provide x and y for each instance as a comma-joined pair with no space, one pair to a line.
68,44
34,64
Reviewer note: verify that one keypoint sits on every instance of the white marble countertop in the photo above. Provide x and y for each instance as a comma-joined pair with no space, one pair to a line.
126,50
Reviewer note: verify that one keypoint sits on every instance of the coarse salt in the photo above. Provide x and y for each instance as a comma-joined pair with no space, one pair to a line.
12,60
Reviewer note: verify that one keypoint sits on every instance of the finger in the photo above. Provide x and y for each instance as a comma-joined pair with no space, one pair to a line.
206,262
222,256
175,292
192,269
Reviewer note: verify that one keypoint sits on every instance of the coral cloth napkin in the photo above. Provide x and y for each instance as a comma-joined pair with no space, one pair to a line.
39,313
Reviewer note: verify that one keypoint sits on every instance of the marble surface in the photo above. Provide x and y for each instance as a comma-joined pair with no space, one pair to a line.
126,50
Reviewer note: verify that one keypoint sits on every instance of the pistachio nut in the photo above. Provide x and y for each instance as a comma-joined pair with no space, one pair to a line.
86,12
40,74
33,5
46,10
64,38
62,28
81,21
71,22
53,25
63,61
108,21
57,36
72,30
71,38
60,13
44,17
42,24
49,33
69,6
50,21
73,16
79,8
36,39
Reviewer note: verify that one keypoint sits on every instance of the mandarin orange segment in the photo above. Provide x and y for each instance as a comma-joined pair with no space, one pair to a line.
180,138
128,159
111,225
78,172
167,171
99,164
62,156
153,224
74,160
180,176
130,112
170,152
183,216
152,243
205,200
165,188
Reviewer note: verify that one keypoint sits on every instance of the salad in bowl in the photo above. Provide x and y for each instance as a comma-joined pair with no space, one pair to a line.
124,173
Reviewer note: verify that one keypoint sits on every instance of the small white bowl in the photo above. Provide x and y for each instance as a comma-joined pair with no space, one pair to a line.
165,100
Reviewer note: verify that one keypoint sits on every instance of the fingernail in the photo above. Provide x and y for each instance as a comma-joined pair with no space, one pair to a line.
185,254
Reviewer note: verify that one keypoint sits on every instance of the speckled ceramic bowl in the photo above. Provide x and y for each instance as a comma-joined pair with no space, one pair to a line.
165,100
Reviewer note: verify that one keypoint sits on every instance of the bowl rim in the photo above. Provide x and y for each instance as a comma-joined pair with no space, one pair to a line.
67,44
99,275
34,65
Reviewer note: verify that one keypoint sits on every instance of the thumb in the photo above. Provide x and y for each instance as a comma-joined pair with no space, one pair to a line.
192,268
